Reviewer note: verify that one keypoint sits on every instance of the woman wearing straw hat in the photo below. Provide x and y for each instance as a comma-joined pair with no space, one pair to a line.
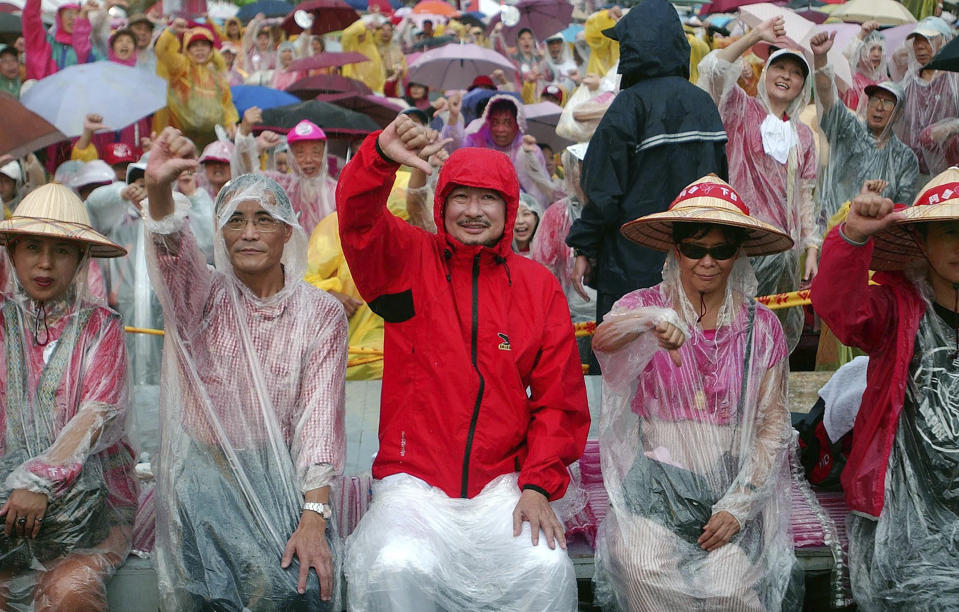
694,437
901,479
68,495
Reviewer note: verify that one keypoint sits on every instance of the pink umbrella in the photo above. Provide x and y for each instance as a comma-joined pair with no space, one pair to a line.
726,6
328,59
313,86
543,17
798,32
24,131
454,66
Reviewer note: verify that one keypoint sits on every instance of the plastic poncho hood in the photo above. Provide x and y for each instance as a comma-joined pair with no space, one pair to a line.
652,42
483,169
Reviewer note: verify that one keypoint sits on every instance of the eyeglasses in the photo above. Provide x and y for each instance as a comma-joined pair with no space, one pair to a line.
883,103
263,224
718,252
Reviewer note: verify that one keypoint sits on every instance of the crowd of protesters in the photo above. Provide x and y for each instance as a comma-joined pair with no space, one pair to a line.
690,169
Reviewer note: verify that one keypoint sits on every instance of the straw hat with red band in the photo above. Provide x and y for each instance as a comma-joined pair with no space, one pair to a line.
707,200
895,247
55,211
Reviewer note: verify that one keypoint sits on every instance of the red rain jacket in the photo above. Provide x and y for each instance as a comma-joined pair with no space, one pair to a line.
882,321
468,330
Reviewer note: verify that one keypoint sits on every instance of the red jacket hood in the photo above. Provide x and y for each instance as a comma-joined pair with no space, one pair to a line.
485,169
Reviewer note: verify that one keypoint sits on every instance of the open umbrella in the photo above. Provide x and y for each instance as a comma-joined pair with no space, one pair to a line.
541,120
10,24
121,94
377,108
886,12
543,17
335,120
727,6
455,66
313,86
431,43
385,6
270,8
23,130
799,31
947,58
326,15
245,96
435,7
328,59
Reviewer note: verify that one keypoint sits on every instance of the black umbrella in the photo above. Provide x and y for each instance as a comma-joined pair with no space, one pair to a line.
335,120
947,58
10,24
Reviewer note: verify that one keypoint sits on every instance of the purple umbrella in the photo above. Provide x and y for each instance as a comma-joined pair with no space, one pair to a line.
311,87
454,66
543,17
541,120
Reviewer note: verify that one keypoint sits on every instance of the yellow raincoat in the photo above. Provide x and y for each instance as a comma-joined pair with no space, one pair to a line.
604,51
360,39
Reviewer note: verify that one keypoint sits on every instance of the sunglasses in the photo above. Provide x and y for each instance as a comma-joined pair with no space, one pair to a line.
718,252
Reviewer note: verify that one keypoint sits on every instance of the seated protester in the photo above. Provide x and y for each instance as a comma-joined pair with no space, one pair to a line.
198,95
900,479
252,426
866,53
527,220
478,444
772,156
308,184
69,497
66,44
862,146
695,430
10,80
502,128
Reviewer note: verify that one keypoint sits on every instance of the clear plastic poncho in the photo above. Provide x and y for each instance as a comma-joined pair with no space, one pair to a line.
679,444
864,73
780,191
926,103
251,413
855,155
64,398
907,559
313,197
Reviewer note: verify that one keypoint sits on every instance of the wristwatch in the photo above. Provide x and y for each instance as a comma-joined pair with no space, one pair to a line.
322,509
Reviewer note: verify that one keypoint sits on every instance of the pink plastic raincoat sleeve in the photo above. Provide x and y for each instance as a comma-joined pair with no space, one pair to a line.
38,51
81,39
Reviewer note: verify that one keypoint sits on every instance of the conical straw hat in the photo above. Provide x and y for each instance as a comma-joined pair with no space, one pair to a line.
895,247
707,200
55,211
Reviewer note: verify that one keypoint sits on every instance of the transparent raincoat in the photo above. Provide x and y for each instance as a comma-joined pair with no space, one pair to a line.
251,414
313,197
855,154
927,102
679,444
780,190
907,559
864,72
64,398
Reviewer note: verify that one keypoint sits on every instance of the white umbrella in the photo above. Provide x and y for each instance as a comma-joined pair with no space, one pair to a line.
886,12
799,31
121,94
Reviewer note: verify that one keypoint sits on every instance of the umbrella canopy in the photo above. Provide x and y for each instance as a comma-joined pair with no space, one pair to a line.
328,16
455,66
541,120
245,96
886,12
379,109
799,31
10,24
569,34
726,6
543,17
813,15
121,94
947,58
270,8
435,7
310,87
335,120
24,131
328,59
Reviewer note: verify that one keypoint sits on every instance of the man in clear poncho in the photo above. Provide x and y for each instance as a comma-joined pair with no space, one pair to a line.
772,155
862,146
252,397
694,439
69,497
900,479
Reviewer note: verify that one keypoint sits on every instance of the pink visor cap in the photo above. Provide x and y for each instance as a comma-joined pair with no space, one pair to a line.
305,130
217,151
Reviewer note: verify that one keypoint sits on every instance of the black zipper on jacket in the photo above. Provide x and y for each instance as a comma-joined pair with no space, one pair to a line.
482,383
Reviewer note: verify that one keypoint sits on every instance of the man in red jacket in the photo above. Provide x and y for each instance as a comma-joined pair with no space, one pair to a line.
483,403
